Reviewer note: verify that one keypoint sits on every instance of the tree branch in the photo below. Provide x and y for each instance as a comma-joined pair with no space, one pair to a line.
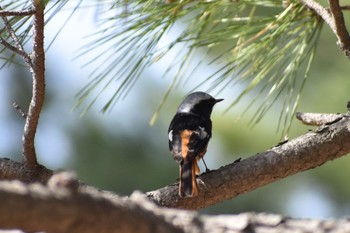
320,11
28,12
18,48
340,28
300,154
38,95
11,170
13,48
318,119
20,110
335,21
313,149
346,7
74,210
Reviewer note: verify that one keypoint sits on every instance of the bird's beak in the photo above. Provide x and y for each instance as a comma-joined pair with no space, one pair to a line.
218,100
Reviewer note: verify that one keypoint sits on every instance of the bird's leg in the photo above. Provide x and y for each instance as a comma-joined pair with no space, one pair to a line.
206,168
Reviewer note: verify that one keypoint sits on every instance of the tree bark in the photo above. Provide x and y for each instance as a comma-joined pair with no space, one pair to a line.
308,151
63,208
38,90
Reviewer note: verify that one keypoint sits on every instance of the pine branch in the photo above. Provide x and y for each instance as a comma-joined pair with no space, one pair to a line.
318,119
72,210
18,48
38,94
346,7
234,36
340,28
28,12
75,210
308,151
321,11
11,170
335,21
13,48
36,64
20,110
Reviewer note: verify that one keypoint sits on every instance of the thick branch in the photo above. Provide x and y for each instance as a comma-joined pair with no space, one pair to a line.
26,207
305,152
58,208
328,142
11,170
38,95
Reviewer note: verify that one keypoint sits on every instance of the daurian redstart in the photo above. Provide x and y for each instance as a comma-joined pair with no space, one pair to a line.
189,133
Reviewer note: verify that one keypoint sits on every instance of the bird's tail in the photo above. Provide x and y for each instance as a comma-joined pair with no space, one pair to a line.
188,184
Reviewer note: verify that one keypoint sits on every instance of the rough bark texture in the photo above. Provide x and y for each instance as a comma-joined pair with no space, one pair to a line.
60,208
63,208
11,170
38,95
313,149
340,27
335,19
305,152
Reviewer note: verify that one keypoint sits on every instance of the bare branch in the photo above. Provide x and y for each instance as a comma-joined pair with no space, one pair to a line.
81,211
318,119
71,210
335,21
28,12
12,48
346,7
340,27
18,48
20,110
38,95
308,151
321,11
11,170
305,152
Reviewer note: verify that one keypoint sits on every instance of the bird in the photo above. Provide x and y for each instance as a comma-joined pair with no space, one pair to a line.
189,134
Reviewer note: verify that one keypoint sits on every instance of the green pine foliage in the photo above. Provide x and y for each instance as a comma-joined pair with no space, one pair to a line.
267,46
260,44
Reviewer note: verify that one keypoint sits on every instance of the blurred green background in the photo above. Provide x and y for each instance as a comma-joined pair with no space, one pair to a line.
120,151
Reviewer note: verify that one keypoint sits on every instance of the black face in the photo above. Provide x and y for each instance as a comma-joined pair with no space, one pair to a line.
198,103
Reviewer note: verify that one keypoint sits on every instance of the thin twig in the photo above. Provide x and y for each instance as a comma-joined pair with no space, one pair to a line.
38,96
13,48
20,110
321,11
346,7
340,27
18,48
318,119
27,12
334,19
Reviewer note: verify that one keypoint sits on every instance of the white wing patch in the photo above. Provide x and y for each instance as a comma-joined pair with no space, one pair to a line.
170,135
202,133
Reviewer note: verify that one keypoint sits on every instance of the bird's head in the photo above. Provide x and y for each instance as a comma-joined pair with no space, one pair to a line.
198,103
